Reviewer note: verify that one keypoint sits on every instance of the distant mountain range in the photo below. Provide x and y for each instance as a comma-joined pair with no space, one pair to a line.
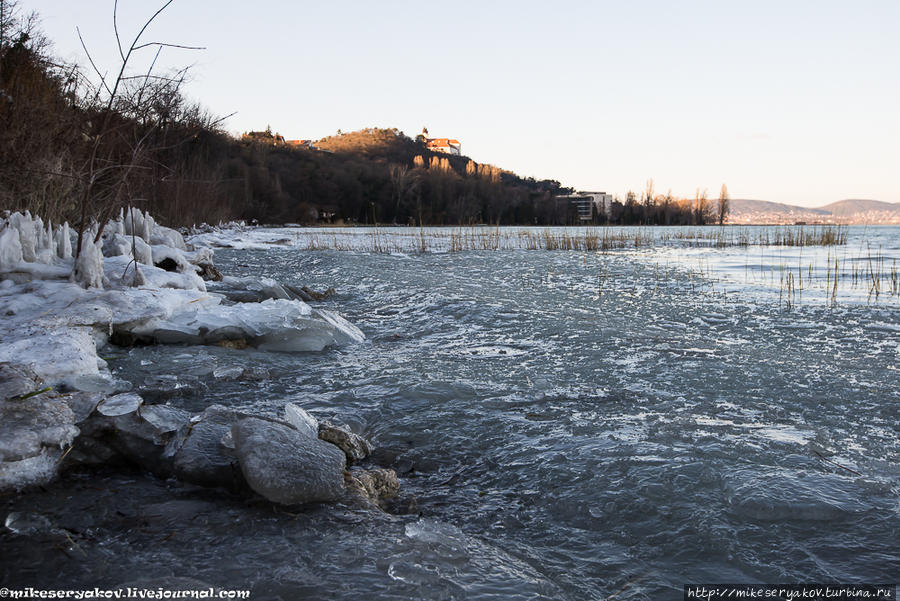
850,211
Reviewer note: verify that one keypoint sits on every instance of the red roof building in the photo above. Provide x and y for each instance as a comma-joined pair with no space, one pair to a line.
446,145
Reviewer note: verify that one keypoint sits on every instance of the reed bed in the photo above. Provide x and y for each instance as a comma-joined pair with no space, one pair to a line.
795,261
595,238
869,274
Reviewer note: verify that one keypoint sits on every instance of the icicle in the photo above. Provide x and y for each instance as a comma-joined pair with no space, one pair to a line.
27,239
147,223
10,248
63,242
88,271
48,236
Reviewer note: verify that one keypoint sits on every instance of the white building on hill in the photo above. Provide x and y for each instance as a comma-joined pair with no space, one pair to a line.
445,145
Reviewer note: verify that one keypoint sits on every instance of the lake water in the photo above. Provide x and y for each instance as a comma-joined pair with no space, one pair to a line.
566,425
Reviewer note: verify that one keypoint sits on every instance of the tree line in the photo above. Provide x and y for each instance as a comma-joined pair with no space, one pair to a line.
79,145
666,209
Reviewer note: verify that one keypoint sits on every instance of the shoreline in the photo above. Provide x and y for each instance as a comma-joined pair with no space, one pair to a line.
63,409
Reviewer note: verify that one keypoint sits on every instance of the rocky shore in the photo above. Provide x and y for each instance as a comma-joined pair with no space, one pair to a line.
61,409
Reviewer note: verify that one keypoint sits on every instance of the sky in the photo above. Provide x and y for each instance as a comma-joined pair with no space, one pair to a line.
789,101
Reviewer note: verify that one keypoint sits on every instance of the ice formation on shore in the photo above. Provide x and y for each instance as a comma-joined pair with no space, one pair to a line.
139,281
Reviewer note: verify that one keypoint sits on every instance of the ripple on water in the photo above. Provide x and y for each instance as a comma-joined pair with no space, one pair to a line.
569,425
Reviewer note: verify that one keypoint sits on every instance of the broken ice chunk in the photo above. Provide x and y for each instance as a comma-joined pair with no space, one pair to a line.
120,404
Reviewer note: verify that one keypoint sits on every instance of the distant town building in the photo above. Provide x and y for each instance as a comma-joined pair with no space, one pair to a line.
589,205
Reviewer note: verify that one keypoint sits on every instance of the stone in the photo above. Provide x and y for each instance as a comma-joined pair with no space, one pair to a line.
83,404
120,404
354,446
29,424
140,437
33,435
311,295
373,486
17,381
208,272
302,421
285,466
202,454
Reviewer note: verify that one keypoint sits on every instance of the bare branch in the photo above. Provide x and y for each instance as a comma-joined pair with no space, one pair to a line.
146,25
91,60
147,77
165,45
116,28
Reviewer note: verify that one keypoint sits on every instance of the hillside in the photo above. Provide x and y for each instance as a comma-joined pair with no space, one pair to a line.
851,211
853,206
382,176
76,153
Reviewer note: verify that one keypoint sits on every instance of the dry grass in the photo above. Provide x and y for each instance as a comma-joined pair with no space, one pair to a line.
590,239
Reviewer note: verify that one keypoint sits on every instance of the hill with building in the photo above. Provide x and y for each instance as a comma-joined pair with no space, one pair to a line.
381,175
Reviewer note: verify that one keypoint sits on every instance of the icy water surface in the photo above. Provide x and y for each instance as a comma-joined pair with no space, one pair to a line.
567,425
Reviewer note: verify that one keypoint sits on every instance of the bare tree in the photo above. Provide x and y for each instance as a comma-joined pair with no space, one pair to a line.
124,103
701,207
723,204
648,200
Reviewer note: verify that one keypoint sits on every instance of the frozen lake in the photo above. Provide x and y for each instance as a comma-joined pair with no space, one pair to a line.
568,424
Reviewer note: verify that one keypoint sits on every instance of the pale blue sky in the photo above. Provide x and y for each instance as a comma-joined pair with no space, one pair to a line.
790,101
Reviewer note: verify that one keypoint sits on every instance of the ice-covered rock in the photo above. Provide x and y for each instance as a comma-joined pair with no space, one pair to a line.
154,277
82,403
52,354
33,471
164,418
201,457
255,290
52,329
274,325
141,437
120,404
26,425
286,466
17,381
301,420
27,523
171,259
115,245
34,434
354,446
160,235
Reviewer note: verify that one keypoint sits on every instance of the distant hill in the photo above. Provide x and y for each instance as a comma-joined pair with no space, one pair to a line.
852,206
744,205
850,211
